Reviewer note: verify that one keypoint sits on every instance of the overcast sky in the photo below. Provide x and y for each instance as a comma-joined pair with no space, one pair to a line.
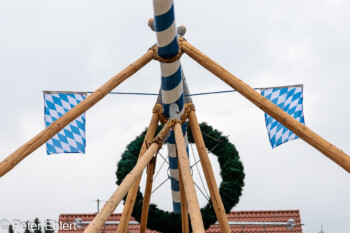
76,45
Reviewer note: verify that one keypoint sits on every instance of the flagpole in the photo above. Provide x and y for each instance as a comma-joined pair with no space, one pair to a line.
328,149
16,157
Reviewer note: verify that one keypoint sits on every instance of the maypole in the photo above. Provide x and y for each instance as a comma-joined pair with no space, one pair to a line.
173,109
171,83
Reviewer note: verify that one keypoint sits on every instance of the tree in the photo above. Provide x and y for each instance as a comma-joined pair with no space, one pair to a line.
48,227
27,230
11,229
38,228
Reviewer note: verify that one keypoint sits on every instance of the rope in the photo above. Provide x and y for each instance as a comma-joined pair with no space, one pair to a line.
167,60
200,190
154,94
163,157
169,124
123,93
163,163
211,137
210,152
200,176
157,94
158,109
160,185
158,171
189,107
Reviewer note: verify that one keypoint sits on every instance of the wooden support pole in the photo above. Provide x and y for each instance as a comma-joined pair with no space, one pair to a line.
209,174
328,149
16,157
96,225
184,208
147,195
130,200
193,205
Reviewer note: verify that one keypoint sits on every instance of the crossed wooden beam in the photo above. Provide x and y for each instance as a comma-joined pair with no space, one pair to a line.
131,182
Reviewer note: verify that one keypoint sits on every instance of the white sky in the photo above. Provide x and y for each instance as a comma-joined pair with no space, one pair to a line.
78,45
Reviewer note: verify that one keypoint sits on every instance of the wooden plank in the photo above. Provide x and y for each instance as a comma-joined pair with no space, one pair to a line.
193,205
147,195
131,198
209,174
96,225
328,149
184,207
16,157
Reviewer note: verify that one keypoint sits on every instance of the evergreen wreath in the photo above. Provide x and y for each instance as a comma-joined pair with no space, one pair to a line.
232,173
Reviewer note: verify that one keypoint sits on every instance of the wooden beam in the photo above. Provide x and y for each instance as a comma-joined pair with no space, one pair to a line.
209,174
328,149
16,157
100,219
193,205
147,195
130,200
184,207
96,225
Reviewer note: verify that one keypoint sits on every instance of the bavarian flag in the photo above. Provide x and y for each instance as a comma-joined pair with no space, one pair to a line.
70,139
289,99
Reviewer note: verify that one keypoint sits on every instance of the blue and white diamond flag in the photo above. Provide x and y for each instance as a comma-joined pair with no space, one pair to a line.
71,139
289,99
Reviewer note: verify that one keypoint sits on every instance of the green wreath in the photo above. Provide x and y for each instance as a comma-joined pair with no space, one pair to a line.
232,173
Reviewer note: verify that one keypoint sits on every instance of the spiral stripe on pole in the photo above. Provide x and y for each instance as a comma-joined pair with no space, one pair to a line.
171,84
174,169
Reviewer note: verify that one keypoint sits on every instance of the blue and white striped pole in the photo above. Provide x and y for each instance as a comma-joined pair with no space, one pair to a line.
172,84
